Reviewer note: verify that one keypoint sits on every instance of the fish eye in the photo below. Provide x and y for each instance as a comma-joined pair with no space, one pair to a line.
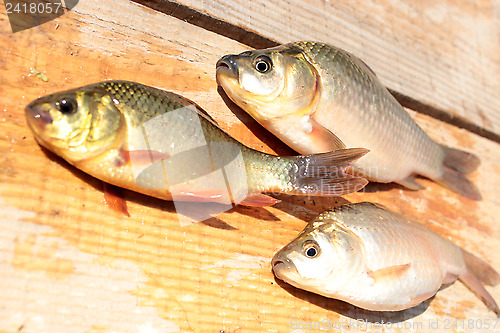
263,64
311,249
67,105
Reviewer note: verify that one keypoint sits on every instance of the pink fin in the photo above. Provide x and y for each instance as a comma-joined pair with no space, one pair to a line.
115,199
324,139
475,285
259,200
141,157
389,273
189,195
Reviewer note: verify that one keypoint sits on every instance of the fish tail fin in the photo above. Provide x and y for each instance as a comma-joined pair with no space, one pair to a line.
477,273
325,174
458,183
475,285
481,269
456,165
460,160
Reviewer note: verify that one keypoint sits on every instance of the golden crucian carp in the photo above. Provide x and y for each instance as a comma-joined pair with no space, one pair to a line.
160,144
378,260
318,98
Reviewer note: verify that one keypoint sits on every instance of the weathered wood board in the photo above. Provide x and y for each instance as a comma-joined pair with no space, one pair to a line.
70,264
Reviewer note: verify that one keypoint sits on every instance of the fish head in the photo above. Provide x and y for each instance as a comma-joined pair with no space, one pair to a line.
321,259
269,83
75,124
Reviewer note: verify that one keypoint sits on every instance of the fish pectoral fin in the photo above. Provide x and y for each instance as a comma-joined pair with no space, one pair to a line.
259,200
115,199
410,183
323,134
141,158
388,273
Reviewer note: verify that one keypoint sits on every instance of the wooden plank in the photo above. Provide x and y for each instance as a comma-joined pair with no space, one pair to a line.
441,58
70,264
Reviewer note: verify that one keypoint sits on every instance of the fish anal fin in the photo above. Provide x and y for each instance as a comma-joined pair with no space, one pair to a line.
475,285
389,274
115,199
410,183
259,200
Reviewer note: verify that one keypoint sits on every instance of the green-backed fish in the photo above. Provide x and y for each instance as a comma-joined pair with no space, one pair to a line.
318,98
160,144
378,260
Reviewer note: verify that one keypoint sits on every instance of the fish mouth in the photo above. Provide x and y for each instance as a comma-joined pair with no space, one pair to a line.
280,265
278,262
284,269
37,116
226,66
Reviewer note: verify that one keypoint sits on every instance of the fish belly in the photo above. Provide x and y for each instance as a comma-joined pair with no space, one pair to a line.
361,112
391,241
398,147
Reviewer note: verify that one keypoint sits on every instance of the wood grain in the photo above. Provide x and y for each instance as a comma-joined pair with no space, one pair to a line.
442,54
70,264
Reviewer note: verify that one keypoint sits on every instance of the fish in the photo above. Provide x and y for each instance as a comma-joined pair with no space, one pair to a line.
161,144
378,260
317,98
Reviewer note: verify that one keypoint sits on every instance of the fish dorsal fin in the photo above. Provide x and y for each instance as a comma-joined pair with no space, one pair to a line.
320,131
388,274
368,68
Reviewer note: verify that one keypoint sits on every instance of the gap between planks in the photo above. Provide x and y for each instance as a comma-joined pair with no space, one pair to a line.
254,40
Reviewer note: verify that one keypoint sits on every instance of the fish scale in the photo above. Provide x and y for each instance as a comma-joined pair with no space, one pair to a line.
161,144
390,240
378,260
317,98
391,129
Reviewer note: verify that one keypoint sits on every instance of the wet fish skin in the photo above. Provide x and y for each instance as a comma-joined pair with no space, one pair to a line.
377,260
316,98
108,128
